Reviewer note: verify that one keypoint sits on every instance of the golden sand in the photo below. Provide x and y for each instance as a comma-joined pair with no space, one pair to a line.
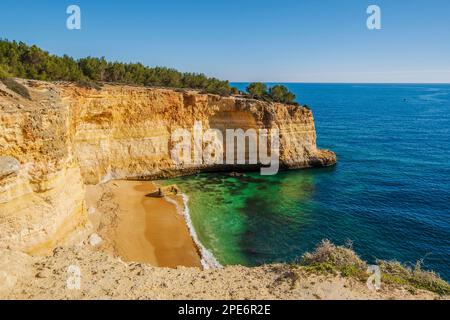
147,229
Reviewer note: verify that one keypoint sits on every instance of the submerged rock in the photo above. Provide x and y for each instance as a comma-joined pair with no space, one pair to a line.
236,174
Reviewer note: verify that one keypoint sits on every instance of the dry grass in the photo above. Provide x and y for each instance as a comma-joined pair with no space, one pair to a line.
329,258
18,88
394,272
339,256
89,84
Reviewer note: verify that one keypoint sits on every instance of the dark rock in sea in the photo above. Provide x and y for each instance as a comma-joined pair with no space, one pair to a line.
8,166
236,174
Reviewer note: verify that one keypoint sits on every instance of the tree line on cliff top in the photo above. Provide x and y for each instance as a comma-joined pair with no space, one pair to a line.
18,59
276,93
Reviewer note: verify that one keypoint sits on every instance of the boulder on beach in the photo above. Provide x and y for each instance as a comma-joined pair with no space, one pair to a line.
165,191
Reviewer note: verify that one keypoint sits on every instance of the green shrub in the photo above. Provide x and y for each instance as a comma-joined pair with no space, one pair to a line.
32,62
329,258
234,91
3,73
395,273
277,93
280,93
257,89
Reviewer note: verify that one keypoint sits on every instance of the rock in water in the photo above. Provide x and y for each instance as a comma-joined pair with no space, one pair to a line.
236,174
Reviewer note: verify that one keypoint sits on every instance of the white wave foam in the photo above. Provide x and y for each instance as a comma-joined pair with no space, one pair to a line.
207,258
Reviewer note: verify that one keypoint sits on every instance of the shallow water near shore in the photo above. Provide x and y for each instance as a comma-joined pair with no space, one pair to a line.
389,193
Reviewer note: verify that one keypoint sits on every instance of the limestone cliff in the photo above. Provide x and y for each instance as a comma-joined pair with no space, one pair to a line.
59,137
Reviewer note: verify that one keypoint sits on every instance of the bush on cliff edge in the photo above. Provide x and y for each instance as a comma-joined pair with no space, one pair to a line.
331,259
276,93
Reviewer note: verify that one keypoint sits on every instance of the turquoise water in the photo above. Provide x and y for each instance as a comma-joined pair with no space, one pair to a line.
389,193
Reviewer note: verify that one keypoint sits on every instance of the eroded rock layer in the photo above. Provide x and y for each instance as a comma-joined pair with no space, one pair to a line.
59,137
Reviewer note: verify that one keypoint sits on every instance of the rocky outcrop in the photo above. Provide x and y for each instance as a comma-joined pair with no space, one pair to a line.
61,137
8,166
42,197
122,132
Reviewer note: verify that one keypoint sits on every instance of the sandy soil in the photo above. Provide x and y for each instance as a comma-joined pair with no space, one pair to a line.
102,276
144,229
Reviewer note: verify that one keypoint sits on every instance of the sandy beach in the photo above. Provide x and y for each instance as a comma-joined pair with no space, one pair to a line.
139,228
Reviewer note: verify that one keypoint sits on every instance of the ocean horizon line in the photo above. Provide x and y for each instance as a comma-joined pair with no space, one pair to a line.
357,83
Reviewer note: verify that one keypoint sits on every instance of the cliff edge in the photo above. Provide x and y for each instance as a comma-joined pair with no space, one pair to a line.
57,137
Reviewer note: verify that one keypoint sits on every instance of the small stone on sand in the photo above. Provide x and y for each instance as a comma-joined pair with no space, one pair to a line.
94,240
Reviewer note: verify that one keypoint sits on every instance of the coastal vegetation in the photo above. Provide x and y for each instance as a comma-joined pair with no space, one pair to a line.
17,59
276,93
3,73
257,90
342,260
20,60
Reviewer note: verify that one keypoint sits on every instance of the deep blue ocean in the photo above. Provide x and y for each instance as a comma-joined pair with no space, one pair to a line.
389,193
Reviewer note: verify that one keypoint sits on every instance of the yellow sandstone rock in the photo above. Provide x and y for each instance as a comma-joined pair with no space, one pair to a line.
66,136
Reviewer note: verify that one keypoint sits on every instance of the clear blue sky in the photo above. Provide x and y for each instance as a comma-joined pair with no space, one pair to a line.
249,40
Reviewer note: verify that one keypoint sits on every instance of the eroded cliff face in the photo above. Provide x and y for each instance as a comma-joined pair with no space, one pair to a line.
65,136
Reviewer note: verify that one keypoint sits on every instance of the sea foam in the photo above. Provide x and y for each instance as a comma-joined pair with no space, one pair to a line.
207,258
